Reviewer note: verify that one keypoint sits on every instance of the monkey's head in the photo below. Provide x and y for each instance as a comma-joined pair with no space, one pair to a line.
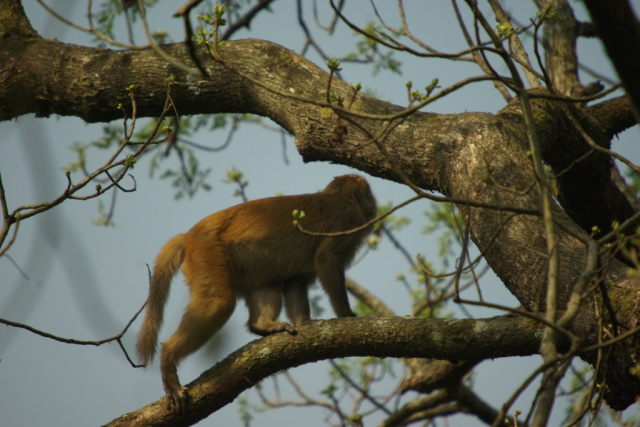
356,188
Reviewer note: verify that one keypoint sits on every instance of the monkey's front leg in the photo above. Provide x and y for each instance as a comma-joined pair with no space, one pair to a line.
330,267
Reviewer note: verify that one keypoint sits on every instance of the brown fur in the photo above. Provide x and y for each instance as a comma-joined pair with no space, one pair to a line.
252,251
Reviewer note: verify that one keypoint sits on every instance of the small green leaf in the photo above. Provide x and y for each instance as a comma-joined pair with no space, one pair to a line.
334,65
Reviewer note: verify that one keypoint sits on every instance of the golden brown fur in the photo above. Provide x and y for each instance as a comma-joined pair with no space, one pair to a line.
252,251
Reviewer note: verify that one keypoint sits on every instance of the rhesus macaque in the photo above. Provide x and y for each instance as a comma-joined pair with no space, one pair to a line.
253,251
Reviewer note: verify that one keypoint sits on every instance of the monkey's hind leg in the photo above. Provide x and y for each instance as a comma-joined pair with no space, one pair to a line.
296,299
209,308
265,303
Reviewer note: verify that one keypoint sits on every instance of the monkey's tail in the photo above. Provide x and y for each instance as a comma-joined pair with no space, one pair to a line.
167,264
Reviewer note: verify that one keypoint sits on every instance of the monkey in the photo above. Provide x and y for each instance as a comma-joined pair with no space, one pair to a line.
252,251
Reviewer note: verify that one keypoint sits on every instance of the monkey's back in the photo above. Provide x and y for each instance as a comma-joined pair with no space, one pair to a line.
262,244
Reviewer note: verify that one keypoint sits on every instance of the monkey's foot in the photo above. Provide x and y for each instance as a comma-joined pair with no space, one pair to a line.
177,400
265,329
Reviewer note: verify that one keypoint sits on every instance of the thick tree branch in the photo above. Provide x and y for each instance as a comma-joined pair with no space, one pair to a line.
560,34
613,115
619,29
569,139
381,336
13,21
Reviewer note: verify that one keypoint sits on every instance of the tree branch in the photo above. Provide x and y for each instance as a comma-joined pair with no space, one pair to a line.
560,33
379,336
614,115
619,29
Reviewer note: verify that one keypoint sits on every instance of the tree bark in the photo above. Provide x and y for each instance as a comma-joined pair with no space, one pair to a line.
375,336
